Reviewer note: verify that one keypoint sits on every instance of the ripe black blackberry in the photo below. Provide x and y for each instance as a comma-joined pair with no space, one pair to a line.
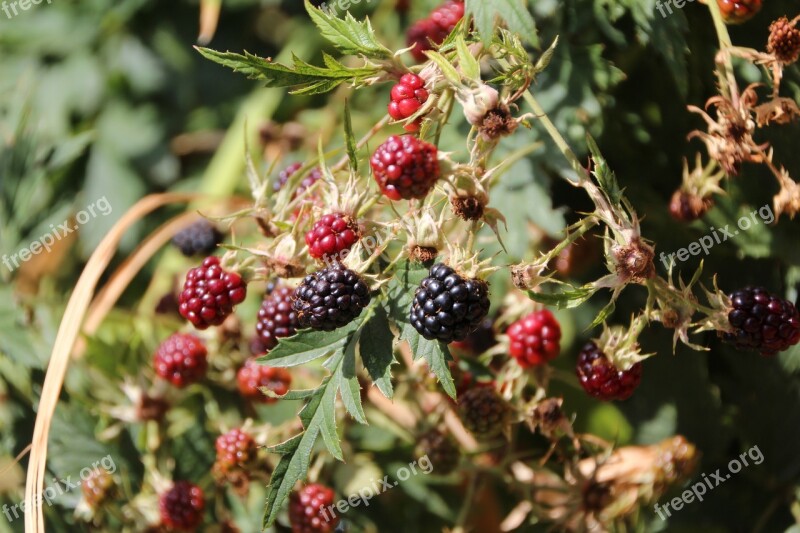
201,238
762,321
483,411
312,510
440,449
602,379
182,359
330,298
182,506
447,306
276,318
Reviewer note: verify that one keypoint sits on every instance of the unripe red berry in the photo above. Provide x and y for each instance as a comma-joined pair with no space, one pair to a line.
405,167
535,339
253,376
331,235
210,294
182,506
738,11
432,31
784,40
602,379
181,359
311,511
407,98
235,449
276,319
762,321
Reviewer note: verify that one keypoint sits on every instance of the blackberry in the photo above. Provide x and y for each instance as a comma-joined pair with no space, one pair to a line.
447,306
686,207
311,511
182,506
97,487
535,339
201,238
483,411
601,379
276,319
432,31
407,98
210,293
330,298
405,167
331,236
440,449
738,11
181,359
762,321
252,376
289,171
784,40
235,449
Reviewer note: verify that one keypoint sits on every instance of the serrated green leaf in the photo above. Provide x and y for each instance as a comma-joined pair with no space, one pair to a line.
605,176
437,355
376,350
308,79
444,65
565,299
514,13
349,388
543,62
469,65
348,35
307,345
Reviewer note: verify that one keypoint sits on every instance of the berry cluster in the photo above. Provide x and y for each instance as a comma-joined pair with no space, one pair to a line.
181,359
289,171
439,447
210,293
201,238
182,506
447,306
405,167
253,376
331,235
738,11
762,321
276,318
601,379
235,449
784,40
310,511
407,97
330,298
483,411
428,33
535,339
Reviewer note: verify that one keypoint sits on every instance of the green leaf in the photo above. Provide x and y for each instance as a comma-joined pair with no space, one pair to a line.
602,315
348,35
605,176
308,79
514,13
469,65
349,388
350,138
376,350
307,345
437,356
444,65
565,299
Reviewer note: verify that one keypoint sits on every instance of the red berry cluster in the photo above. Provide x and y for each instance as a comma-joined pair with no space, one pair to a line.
738,11
762,321
407,97
601,379
252,376
181,359
235,448
182,506
432,31
535,339
405,167
210,293
310,511
331,235
289,171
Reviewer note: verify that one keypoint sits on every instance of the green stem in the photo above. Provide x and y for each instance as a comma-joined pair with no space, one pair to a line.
725,76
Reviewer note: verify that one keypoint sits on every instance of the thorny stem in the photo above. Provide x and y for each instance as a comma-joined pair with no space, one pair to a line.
727,83
463,513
